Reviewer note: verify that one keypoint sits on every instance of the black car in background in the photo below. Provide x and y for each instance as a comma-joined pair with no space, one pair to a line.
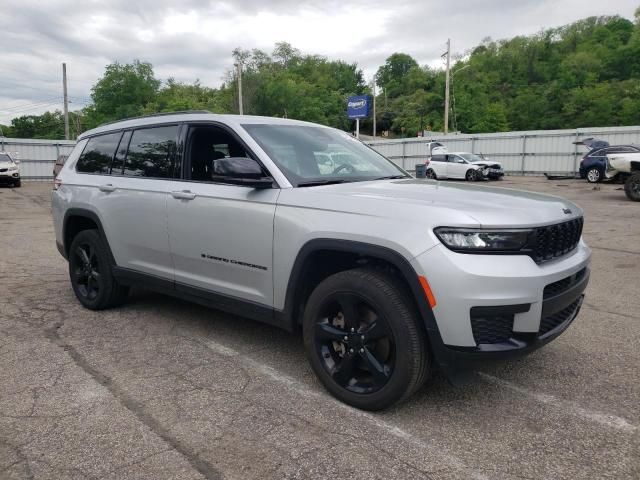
594,163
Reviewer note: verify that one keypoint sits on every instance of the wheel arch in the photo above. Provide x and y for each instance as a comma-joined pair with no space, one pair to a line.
335,255
77,220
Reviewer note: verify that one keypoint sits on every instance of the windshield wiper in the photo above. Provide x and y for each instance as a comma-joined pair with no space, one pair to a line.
315,183
391,177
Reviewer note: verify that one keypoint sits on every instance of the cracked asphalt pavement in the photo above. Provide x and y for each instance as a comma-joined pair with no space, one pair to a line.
161,388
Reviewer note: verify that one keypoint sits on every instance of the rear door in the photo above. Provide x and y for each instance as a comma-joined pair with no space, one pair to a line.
439,165
133,199
221,234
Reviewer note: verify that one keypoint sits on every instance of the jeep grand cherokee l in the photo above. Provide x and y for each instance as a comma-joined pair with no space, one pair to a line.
388,276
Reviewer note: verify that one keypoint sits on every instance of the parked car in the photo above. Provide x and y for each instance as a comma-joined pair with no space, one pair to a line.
59,164
494,170
594,164
387,277
455,165
626,166
9,170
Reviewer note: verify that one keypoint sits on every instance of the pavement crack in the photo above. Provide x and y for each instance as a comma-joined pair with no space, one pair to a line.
132,405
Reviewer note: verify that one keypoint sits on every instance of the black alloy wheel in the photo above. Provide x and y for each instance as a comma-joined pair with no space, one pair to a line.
471,175
90,273
364,339
354,342
86,271
431,174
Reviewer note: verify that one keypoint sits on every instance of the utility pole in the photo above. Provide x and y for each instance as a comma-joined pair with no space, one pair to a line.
239,74
446,88
66,101
373,88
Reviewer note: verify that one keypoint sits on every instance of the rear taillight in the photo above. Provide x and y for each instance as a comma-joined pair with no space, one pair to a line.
427,162
57,183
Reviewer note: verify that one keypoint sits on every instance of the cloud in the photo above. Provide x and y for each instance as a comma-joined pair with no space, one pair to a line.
193,39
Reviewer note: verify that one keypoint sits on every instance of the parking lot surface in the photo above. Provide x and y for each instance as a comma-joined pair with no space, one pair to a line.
160,388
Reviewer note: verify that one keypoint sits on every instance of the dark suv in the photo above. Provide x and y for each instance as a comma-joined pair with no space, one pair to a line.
594,163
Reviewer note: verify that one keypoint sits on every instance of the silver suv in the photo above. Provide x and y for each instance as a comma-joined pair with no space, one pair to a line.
302,226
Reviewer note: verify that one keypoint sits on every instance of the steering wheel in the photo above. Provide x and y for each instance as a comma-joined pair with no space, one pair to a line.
345,166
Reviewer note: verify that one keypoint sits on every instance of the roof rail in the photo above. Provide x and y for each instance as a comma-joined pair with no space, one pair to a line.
160,114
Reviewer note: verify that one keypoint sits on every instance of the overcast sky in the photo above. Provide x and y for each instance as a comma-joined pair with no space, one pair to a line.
192,39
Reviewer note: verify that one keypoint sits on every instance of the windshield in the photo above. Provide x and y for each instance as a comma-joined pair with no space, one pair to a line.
471,157
316,155
5,158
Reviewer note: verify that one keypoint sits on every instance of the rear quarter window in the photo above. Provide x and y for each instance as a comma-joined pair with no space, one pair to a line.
98,153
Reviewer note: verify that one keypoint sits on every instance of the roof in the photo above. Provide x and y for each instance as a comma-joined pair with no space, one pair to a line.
192,116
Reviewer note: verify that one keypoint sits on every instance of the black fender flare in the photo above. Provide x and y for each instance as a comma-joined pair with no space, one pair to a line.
85,213
367,250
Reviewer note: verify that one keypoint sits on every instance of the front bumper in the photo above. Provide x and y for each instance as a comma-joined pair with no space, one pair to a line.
475,292
9,177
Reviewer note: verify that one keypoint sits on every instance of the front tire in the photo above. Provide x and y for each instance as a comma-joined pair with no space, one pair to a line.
17,184
471,175
90,273
364,340
594,175
632,187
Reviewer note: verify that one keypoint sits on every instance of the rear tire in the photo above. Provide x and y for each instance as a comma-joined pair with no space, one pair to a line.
632,187
594,175
91,275
431,174
364,339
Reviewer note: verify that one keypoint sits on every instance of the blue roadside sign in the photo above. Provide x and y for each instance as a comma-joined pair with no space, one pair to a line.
358,106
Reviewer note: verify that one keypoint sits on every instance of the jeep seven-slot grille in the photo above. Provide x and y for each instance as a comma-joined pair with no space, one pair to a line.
560,286
553,321
556,240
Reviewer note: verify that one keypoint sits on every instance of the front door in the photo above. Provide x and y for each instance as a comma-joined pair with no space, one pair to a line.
456,166
221,235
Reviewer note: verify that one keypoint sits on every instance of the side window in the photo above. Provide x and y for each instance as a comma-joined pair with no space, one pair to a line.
151,152
439,158
97,155
121,153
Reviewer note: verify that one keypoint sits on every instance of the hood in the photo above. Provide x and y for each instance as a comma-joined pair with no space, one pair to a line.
488,163
439,203
6,164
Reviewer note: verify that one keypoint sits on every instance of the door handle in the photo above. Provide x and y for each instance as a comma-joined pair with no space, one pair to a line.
183,195
107,188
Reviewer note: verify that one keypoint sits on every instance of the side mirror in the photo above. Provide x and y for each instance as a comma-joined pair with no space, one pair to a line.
240,171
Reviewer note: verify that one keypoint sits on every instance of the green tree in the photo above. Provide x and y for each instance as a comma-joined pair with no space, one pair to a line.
124,91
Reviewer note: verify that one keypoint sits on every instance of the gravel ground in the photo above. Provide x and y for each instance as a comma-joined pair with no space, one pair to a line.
161,388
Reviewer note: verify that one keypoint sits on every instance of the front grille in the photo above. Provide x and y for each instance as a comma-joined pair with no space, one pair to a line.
551,322
3,170
492,329
560,286
556,240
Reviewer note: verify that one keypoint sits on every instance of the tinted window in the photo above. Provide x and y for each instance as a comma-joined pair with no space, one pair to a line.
97,155
151,152
121,153
4,157
439,158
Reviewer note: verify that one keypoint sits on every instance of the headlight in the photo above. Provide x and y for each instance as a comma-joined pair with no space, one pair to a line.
13,169
470,240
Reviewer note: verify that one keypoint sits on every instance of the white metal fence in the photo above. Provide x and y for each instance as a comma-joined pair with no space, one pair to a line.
37,157
521,153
